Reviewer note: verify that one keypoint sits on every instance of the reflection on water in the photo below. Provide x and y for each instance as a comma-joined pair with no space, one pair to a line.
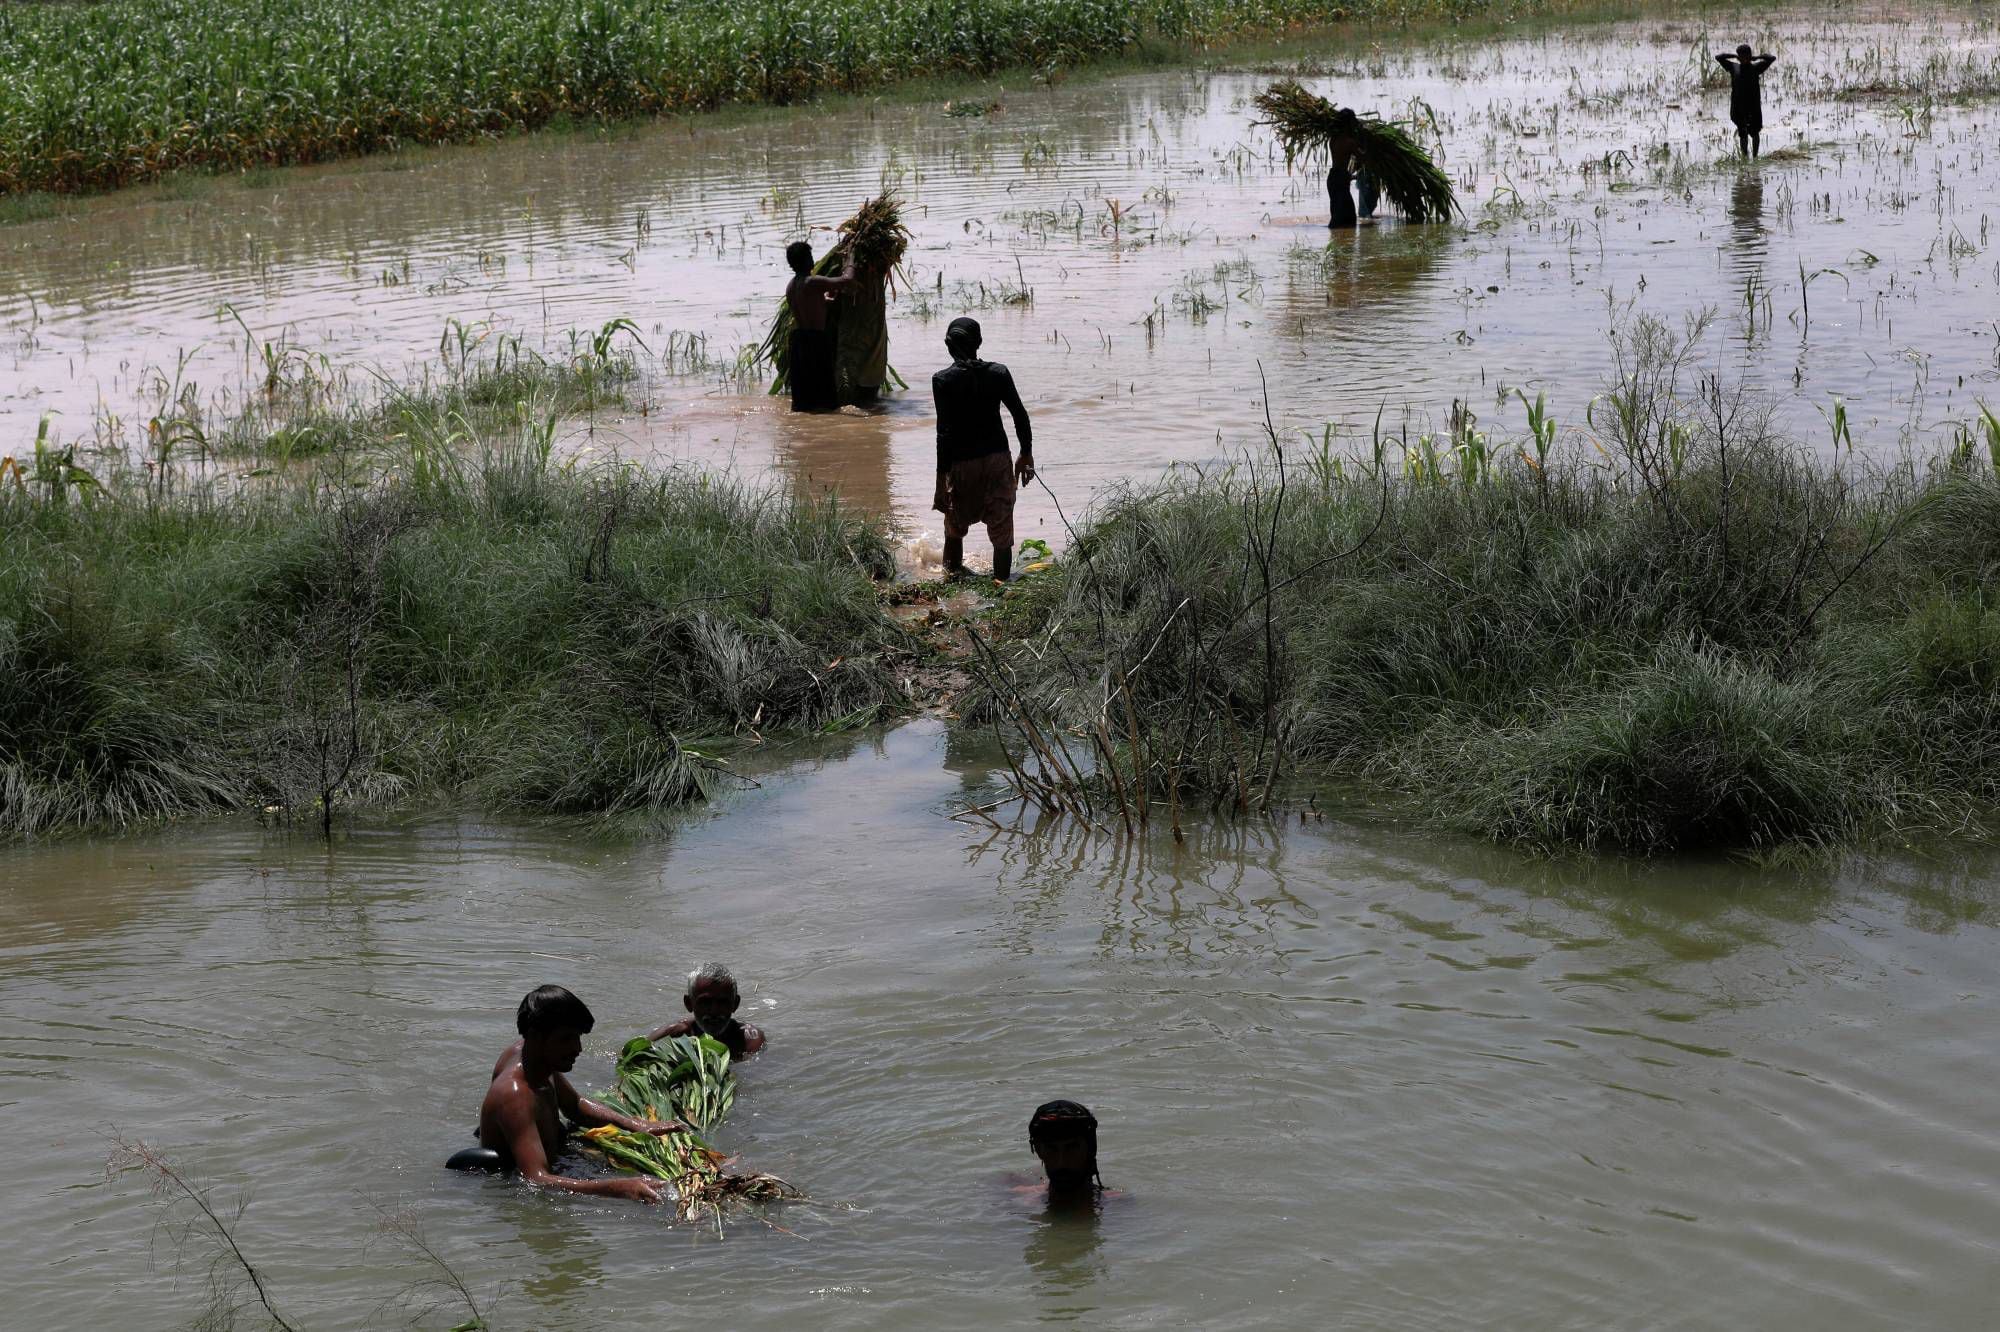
1345,1064
1140,334
1063,1258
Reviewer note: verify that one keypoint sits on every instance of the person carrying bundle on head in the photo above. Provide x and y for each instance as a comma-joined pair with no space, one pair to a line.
812,346
521,1117
976,479
1746,94
711,1001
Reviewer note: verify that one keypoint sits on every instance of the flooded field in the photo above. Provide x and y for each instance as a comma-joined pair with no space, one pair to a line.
1346,1070
1337,1066
1137,250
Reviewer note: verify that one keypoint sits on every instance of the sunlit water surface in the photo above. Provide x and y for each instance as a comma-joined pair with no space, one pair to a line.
1137,250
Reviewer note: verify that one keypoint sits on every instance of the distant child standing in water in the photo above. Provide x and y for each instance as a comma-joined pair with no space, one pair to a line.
1746,95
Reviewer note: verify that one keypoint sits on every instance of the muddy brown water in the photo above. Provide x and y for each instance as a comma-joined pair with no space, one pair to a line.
1347,1073
1855,266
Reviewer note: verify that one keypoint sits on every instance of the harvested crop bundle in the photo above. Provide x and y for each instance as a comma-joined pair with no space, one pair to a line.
686,1077
1311,128
877,238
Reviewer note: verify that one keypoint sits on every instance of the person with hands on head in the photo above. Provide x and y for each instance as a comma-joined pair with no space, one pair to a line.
1746,94
976,479
522,1116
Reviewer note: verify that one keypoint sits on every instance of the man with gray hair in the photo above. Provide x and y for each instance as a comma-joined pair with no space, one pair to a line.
711,1001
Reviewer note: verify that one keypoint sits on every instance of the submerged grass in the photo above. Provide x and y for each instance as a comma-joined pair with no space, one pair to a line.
1679,633
115,93
452,609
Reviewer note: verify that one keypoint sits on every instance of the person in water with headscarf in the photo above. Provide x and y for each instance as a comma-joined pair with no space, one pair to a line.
810,368
1063,1136
521,1119
1746,94
976,479
861,339
711,1001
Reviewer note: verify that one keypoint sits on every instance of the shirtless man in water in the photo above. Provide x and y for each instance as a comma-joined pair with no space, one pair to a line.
711,1001
812,350
522,1115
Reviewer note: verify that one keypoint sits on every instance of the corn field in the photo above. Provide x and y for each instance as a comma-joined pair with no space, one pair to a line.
108,94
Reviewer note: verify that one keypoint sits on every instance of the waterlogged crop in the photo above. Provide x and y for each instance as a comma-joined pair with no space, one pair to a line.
103,95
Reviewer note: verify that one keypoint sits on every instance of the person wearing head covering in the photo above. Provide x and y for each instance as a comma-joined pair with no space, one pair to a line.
976,479
810,368
861,339
1746,94
1063,1135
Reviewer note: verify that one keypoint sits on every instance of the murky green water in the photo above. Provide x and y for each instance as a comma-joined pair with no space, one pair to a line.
1348,1074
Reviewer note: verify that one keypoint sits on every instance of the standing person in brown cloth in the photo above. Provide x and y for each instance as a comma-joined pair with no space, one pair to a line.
976,479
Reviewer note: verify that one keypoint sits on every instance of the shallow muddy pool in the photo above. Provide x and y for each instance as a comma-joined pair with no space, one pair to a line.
1137,250
1346,1073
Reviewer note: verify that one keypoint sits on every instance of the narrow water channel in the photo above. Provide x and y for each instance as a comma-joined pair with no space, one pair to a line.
1347,1073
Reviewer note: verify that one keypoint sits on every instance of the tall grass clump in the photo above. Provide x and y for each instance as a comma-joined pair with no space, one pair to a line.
457,611
112,93
1672,631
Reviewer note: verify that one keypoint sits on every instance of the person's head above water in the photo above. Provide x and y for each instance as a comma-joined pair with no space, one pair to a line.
552,1023
799,254
1064,1135
1743,52
711,997
962,338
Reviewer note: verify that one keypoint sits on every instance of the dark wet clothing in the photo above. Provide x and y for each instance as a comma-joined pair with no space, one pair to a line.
1746,94
812,370
983,490
969,396
1339,197
1370,192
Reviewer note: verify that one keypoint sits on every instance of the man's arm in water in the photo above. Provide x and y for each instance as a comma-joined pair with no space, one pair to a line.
1010,398
1763,62
1726,59
591,1113
513,1107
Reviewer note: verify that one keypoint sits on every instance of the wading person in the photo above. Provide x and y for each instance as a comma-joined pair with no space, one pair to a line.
1064,1136
861,339
521,1119
811,366
976,479
1746,95
1340,150
711,1000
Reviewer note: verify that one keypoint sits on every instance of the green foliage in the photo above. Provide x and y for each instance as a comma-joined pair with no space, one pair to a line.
108,94
1624,643
687,1077
477,616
